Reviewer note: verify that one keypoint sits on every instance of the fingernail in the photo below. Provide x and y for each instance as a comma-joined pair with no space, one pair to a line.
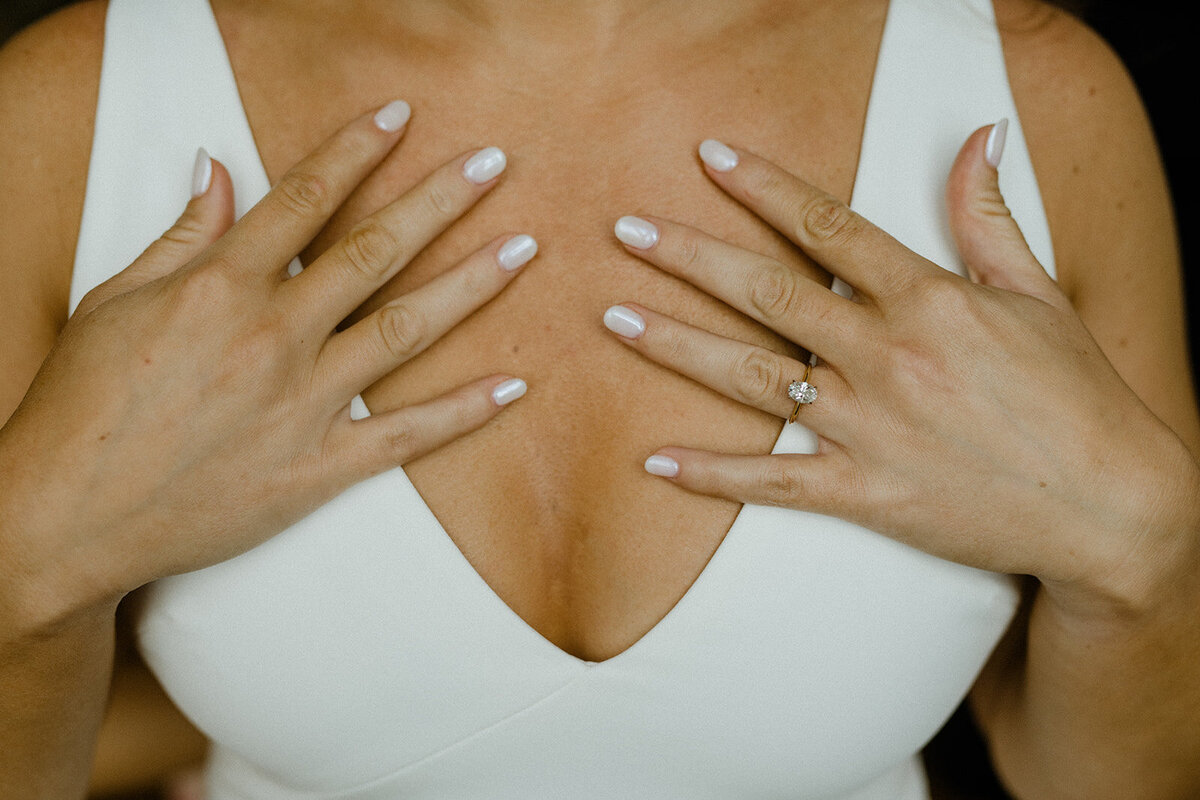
624,322
636,232
517,251
510,390
994,148
393,116
662,466
717,155
485,165
202,173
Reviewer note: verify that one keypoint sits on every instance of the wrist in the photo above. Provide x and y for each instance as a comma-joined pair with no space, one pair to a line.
44,587
1150,560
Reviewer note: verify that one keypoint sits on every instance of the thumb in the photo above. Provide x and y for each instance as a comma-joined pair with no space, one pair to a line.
988,238
208,215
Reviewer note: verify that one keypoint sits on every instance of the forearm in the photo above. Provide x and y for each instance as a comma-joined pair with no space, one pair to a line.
55,684
56,649
1102,704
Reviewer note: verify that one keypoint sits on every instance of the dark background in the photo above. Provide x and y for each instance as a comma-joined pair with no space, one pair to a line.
1150,36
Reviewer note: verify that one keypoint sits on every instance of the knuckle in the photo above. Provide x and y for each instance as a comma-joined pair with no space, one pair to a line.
305,194
207,285
401,330
369,249
465,411
826,219
187,230
403,440
758,378
766,189
687,252
257,353
780,484
440,200
773,293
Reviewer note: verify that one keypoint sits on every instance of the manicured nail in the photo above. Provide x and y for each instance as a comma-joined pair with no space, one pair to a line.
510,390
516,252
393,116
636,232
717,155
202,173
485,165
662,466
624,322
994,148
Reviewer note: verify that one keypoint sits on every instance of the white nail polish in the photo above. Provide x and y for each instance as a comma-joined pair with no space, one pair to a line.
636,232
393,116
994,148
624,322
662,466
485,165
717,155
202,173
510,390
516,252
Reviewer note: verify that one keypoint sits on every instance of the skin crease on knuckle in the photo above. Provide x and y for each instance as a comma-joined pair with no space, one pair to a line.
829,221
306,195
401,330
775,293
369,249
758,378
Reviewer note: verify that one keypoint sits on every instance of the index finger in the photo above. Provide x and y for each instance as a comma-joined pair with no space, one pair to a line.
282,224
842,241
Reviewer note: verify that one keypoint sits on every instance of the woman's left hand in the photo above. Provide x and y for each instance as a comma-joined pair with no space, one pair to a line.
975,419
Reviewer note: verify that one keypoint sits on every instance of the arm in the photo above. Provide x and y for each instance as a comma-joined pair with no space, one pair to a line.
1066,475
94,505
1086,701
55,686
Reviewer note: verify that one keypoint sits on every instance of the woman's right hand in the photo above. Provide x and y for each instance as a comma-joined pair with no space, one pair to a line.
199,401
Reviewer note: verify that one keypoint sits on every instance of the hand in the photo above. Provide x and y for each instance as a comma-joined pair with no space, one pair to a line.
976,420
199,401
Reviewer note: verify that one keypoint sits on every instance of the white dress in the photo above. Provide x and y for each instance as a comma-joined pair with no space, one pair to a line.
357,655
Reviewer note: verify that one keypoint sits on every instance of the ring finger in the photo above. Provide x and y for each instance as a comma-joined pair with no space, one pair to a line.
752,375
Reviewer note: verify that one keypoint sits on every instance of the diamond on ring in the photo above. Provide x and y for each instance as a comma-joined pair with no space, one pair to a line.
802,391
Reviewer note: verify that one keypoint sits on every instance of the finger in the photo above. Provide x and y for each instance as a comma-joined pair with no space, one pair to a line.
379,246
764,289
988,238
297,207
788,480
397,332
207,216
749,374
837,238
388,440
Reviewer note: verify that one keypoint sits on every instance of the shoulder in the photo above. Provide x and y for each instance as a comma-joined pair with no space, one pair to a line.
1089,137
49,80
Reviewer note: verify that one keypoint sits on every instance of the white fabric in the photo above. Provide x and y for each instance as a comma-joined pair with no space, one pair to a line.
358,655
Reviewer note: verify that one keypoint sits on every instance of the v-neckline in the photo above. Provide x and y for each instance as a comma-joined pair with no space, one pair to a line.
802,440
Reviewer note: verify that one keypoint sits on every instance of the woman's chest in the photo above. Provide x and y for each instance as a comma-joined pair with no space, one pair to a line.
549,502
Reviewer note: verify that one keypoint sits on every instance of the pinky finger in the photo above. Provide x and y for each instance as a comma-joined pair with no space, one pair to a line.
788,480
388,440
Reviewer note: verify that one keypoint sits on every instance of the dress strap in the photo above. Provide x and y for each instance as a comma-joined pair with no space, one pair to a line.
166,89
940,75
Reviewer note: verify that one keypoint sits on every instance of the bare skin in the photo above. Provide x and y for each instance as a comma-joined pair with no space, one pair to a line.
624,122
